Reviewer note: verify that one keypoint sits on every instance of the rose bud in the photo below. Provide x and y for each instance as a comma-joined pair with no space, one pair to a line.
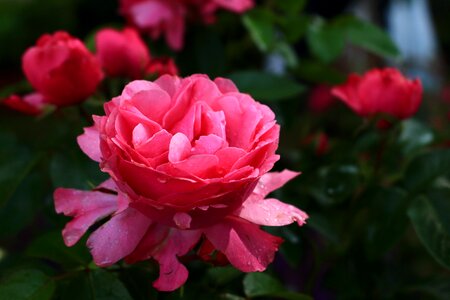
157,17
161,66
122,53
31,104
189,161
61,69
384,91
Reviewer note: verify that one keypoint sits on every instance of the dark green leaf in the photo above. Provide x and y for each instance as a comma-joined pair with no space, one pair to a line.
388,220
368,36
74,170
414,135
95,285
27,285
263,285
14,171
431,219
425,169
291,7
51,246
222,275
325,41
266,87
259,24
260,284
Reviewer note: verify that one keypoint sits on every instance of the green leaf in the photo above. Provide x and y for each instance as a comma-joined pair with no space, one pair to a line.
368,36
14,171
388,220
222,275
27,285
325,41
266,87
263,285
95,285
51,246
414,135
294,27
424,170
259,23
430,217
291,7
74,170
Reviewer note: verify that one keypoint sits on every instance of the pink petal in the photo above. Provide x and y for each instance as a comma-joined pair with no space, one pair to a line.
153,103
165,244
270,212
118,237
89,142
269,182
172,273
86,207
225,85
179,148
247,247
208,144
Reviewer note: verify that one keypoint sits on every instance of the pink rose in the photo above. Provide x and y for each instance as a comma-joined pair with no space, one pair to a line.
168,17
122,53
188,160
157,17
384,91
61,69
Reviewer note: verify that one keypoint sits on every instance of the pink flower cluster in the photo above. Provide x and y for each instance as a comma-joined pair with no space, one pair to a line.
189,161
168,17
63,71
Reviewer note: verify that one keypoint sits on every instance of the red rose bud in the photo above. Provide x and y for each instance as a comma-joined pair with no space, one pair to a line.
30,104
122,53
189,160
320,98
381,91
161,66
61,69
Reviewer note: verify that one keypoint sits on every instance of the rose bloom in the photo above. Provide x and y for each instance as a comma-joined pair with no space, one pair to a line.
168,17
122,53
384,91
189,161
61,69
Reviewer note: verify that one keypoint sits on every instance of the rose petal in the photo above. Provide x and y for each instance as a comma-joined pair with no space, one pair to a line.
86,208
247,247
118,237
272,181
179,148
89,142
270,212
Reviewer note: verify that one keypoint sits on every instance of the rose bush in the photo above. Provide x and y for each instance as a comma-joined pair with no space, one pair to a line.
189,161
381,91
61,69
122,53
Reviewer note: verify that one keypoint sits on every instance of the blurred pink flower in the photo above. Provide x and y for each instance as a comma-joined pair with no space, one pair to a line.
122,53
189,161
168,17
381,91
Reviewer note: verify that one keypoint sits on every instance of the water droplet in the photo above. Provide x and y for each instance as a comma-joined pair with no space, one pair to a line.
162,179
